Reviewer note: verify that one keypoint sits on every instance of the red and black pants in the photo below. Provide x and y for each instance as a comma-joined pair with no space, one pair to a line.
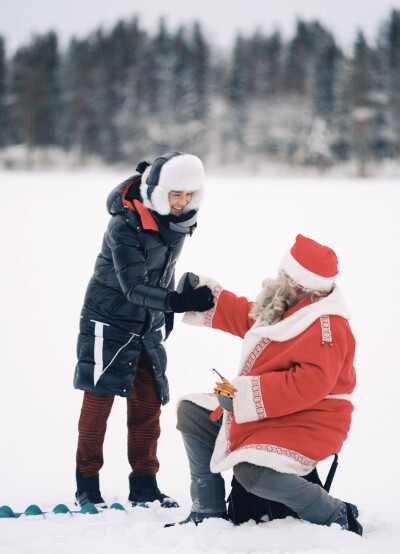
143,421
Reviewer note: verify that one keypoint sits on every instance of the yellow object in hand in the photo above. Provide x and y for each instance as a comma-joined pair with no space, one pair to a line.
224,387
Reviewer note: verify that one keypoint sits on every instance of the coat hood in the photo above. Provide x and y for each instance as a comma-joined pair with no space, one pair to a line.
115,204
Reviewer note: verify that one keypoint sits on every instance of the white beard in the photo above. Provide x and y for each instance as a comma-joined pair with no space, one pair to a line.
272,301
277,296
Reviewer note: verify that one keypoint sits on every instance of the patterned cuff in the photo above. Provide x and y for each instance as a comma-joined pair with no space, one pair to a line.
248,403
204,319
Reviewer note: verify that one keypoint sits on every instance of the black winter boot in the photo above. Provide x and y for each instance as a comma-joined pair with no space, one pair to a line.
347,518
88,491
199,517
144,489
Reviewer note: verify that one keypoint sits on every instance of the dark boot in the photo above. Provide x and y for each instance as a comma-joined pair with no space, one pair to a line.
197,517
88,491
347,518
144,489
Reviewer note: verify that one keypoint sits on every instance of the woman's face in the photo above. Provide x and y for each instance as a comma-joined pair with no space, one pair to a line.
178,200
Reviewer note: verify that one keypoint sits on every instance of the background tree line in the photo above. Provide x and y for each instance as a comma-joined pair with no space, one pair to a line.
126,94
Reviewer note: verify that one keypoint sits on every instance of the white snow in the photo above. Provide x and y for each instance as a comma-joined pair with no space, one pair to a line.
51,229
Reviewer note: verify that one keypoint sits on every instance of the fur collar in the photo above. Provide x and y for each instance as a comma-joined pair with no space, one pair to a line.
302,318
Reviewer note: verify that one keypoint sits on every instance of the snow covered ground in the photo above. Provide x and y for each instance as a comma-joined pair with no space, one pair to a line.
51,227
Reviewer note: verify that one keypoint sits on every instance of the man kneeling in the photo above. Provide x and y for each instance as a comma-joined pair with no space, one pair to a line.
292,400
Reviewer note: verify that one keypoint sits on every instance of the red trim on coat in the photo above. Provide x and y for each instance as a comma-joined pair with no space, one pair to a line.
148,221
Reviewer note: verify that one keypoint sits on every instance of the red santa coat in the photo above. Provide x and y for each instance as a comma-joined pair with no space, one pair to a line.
292,407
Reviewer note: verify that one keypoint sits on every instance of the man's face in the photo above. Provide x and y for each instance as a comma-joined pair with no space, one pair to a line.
178,200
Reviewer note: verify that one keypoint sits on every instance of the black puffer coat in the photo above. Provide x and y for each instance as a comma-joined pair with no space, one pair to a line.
124,309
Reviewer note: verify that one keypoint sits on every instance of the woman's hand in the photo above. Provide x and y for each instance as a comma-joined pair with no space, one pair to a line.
193,300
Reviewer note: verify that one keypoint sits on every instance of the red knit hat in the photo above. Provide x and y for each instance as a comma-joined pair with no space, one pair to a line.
311,264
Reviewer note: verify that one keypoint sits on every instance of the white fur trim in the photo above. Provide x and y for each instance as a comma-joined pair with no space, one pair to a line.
196,201
303,276
266,455
181,173
247,402
339,397
294,325
204,319
209,401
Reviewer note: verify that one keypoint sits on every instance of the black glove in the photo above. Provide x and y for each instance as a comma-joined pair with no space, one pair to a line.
193,300
225,402
188,281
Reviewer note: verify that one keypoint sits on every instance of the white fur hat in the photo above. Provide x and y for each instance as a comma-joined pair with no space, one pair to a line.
172,171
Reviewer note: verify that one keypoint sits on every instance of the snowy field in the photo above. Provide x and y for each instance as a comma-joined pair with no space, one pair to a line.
51,229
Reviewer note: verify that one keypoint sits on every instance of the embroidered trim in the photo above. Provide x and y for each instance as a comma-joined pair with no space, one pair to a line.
257,397
227,433
252,357
326,328
209,315
303,460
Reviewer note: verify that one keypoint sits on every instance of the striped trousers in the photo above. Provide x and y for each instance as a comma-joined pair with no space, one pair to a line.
143,421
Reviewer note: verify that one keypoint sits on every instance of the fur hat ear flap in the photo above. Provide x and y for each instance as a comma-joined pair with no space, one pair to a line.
196,201
144,189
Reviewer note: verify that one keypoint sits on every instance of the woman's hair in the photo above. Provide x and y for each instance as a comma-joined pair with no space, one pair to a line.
277,296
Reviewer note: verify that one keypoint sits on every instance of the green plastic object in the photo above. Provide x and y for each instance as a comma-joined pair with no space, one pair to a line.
89,509
61,509
33,510
117,506
6,511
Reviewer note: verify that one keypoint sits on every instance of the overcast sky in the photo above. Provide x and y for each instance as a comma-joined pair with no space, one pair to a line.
221,19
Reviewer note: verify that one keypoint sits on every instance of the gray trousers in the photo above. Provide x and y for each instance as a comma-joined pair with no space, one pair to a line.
310,501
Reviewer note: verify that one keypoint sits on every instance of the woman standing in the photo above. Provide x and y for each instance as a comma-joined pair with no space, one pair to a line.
128,314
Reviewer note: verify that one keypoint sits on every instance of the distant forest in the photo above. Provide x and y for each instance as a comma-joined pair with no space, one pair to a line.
126,94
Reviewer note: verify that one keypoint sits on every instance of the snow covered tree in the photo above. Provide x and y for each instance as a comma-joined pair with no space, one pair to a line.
299,61
108,77
199,92
159,69
200,73
238,97
3,138
363,111
181,81
324,74
264,63
127,94
84,124
394,65
35,91
131,44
